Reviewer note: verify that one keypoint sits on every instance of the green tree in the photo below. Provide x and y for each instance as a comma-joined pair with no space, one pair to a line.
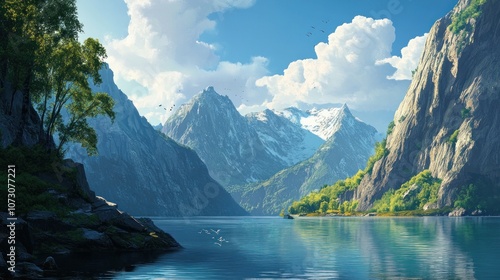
41,58
68,87
468,197
323,207
30,28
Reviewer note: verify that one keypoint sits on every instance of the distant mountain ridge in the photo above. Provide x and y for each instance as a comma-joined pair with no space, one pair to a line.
237,149
147,173
347,149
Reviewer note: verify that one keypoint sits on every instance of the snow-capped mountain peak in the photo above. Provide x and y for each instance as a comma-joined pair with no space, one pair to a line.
322,122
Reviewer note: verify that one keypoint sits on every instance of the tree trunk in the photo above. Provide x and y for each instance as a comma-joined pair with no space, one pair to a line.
25,110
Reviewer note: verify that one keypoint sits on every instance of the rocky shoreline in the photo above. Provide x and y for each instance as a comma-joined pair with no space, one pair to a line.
446,212
89,224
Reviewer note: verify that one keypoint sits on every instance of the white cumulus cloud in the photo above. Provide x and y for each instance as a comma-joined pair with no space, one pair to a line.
408,62
165,58
166,62
345,70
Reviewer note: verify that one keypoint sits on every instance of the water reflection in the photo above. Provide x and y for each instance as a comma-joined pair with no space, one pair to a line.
328,248
380,248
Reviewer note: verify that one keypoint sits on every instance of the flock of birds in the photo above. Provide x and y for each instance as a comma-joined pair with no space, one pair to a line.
241,95
310,33
218,241
164,108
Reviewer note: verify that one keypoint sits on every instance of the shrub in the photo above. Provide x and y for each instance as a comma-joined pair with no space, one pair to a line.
460,20
390,128
380,152
453,137
465,113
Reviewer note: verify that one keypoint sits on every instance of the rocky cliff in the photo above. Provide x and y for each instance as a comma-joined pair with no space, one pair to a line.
147,173
448,122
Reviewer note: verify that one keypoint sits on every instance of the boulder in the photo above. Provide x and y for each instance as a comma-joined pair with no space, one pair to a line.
457,212
81,179
95,238
127,222
429,206
49,264
477,212
100,202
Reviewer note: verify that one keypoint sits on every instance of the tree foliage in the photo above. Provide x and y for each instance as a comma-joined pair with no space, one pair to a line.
461,19
380,152
41,58
390,128
329,196
420,190
453,137
479,195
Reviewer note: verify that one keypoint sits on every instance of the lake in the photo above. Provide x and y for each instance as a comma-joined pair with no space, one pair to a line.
325,248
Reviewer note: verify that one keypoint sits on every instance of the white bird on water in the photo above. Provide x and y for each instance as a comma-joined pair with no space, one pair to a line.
216,231
222,240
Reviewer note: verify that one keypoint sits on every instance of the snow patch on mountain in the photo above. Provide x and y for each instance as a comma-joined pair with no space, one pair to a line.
321,122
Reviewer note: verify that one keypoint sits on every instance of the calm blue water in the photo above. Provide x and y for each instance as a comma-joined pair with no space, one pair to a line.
327,248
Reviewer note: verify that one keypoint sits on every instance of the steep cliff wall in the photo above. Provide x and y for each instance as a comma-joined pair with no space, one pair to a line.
449,120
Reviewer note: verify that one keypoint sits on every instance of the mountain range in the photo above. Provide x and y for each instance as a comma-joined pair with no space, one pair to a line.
237,149
267,159
147,173
349,143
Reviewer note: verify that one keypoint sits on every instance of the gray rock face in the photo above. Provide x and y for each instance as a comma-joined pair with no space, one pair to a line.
341,156
227,144
145,172
454,92
10,117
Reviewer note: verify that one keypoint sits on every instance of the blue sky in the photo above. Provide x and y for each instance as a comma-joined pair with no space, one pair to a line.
262,54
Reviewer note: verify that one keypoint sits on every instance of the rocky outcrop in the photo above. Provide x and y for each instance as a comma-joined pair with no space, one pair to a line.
83,222
448,121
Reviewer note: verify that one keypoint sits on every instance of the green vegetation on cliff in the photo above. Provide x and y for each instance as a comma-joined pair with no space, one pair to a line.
328,198
478,196
453,137
460,21
390,128
34,193
419,191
